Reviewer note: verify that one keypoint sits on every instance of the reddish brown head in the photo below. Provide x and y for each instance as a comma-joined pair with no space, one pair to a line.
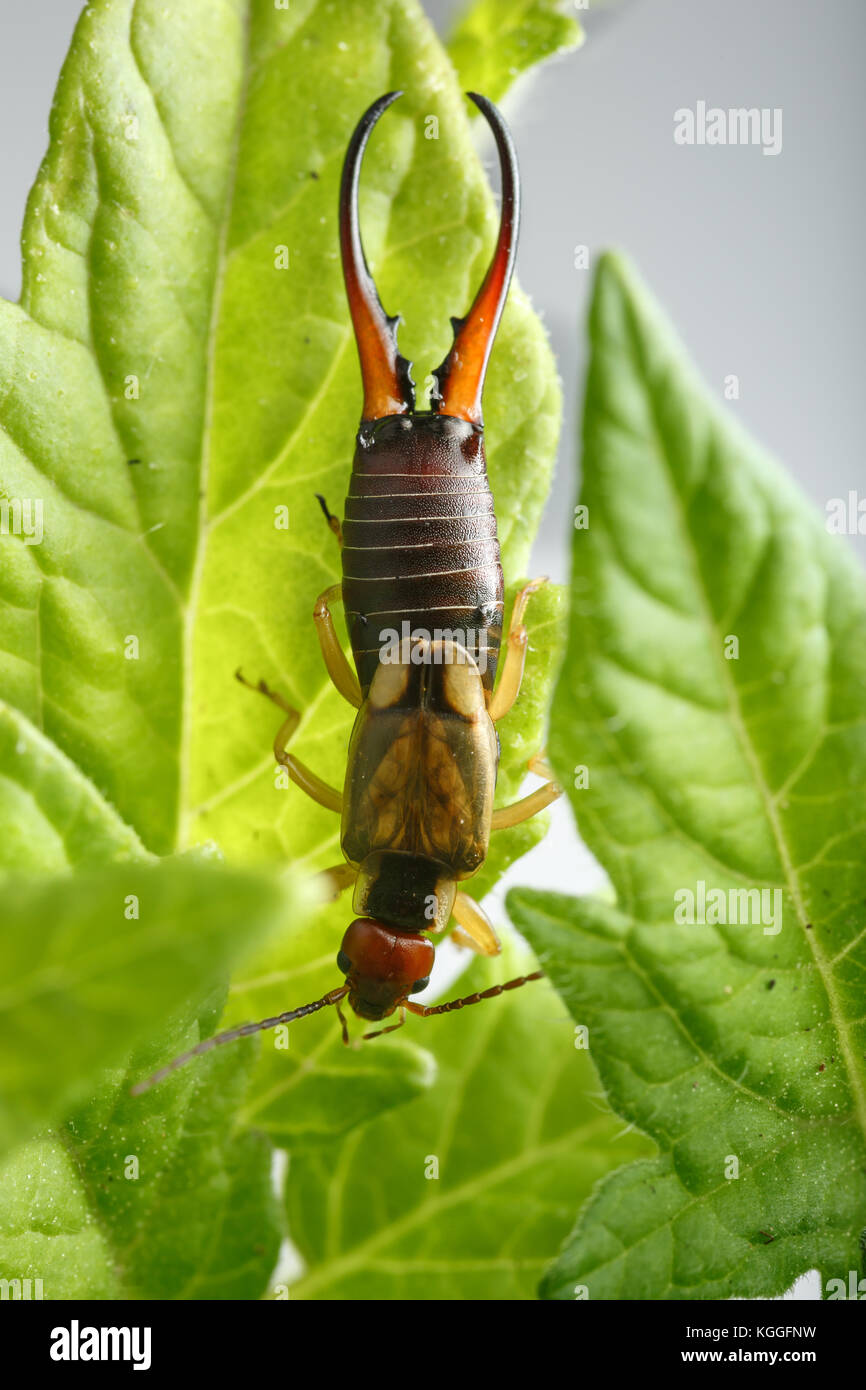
383,966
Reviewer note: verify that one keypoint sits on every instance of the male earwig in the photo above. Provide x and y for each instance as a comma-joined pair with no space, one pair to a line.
420,558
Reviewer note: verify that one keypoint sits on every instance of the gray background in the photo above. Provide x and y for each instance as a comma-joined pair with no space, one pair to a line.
758,260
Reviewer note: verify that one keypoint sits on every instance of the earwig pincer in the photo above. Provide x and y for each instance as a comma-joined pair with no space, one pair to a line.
422,591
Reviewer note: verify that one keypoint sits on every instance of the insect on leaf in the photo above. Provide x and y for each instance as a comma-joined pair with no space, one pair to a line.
177,383
180,380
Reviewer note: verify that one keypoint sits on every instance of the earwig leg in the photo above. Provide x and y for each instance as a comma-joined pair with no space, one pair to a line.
392,1028
427,1010
300,774
336,880
339,670
262,688
333,521
344,1025
526,807
474,928
510,681
541,767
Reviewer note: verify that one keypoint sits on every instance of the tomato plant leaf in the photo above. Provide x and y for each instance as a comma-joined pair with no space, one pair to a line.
714,691
176,453
463,1192
91,962
155,1196
53,818
496,40
180,380
177,383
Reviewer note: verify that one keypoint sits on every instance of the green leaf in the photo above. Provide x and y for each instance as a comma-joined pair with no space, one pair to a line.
496,40
166,386
150,252
152,1197
92,962
737,765
314,1089
197,1217
510,1130
52,817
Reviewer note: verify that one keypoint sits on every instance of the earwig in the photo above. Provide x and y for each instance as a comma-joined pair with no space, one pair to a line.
422,591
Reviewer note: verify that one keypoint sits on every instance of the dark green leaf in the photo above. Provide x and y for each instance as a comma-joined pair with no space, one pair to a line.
736,764
148,1197
93,962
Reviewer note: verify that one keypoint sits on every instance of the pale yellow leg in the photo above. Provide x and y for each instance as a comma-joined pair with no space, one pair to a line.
339,670
541,767
300,774
474,929
533,803
508,688
336,880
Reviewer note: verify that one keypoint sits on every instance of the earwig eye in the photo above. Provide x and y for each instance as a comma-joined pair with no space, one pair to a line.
343,962
419,985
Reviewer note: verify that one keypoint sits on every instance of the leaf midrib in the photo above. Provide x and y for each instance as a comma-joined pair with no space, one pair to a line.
857,1081
436,1205
623,948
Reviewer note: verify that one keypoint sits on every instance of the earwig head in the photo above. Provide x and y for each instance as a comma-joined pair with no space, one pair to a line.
383,966
380,975
459,380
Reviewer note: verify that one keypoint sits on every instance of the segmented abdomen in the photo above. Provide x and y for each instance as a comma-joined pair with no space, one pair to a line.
420,544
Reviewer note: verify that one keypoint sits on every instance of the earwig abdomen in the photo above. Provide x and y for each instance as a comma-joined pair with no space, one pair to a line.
420,544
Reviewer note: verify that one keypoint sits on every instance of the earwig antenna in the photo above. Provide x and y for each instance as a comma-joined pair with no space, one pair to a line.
460,378
427,1010
233,1034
